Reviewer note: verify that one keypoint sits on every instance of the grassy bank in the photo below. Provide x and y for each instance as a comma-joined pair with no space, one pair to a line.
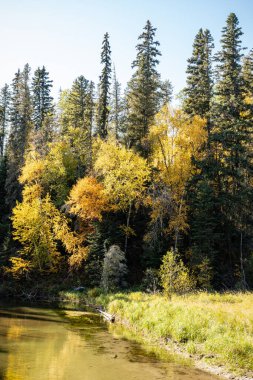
217,328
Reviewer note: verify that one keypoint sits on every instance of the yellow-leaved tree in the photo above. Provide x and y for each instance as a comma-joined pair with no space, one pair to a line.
175,139
39,226
124,175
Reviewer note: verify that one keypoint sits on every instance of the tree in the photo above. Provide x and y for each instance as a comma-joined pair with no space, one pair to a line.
116,110
42,108
247,76
39,227
199,89
125,175
4,117
200,196
174,275
20,128
104,89
175,139
114,269
76,119
143,95
230,140
88,200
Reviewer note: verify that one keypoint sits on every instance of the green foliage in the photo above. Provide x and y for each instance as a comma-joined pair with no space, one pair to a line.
143,93
20,127
103,89
175,276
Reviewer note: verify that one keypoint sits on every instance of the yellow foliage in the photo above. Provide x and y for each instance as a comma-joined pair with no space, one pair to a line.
175,139
33,169
124,173
19,267
88,199
38,226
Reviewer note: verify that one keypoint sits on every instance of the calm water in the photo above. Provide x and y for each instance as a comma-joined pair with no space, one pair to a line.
38,343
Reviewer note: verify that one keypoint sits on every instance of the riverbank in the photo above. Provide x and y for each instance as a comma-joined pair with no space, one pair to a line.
215,330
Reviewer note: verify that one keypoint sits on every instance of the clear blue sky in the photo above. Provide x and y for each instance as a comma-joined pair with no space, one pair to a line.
66,36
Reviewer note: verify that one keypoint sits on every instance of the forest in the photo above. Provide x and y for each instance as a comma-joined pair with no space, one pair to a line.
118,188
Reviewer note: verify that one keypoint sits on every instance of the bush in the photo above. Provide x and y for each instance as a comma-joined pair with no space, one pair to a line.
174,275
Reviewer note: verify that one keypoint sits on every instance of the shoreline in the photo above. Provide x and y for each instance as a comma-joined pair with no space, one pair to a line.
151,315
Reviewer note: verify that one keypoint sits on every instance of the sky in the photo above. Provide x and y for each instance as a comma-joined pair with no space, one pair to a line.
66,36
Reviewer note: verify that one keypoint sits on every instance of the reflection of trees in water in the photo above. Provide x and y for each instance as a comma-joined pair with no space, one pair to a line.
36,347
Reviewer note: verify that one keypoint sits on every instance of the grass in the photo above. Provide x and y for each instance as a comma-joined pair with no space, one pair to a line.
217,327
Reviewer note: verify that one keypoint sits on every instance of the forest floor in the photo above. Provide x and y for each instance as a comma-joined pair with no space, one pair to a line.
214,330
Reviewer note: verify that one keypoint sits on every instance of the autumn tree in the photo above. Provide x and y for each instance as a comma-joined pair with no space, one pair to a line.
175,139
124,175
39,227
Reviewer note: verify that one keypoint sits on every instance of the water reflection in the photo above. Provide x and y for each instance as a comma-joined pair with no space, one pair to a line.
41,344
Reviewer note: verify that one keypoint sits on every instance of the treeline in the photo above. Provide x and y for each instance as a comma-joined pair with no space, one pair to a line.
107,182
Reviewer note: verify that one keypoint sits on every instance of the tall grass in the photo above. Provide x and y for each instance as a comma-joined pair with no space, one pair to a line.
218,327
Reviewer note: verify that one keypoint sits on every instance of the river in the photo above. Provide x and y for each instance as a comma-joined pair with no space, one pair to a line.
39,343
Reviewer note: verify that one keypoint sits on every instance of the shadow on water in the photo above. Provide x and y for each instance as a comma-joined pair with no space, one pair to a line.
60,344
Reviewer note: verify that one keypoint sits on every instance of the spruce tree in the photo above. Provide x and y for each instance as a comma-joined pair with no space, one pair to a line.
104,89
116,110
20,128
230,141
76,118
4,117
201,198
198,92
144,93
247,74
41,98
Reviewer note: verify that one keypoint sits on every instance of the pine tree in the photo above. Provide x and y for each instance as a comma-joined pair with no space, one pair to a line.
104,89
230,141
20,128
144,94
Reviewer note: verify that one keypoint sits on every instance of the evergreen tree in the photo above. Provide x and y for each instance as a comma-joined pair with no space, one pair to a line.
116,109
42,100
4,117
198,92
104,89
76,117
20,127
247,74
201,199
166,92
144,93
230,141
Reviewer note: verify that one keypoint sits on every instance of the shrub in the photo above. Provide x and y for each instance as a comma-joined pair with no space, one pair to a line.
174,275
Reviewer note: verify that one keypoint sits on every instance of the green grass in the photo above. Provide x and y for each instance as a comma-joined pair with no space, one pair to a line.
216,326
